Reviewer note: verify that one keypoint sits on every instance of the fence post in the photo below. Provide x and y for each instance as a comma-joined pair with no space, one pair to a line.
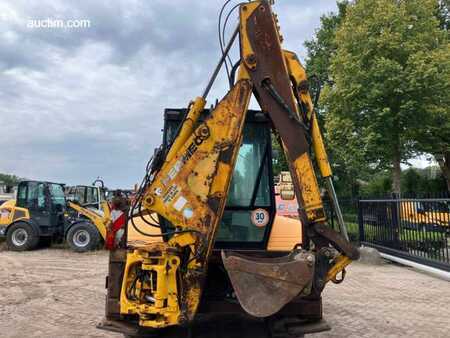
395,211
360,222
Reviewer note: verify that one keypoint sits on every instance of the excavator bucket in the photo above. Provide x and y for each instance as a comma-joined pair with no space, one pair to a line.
264,285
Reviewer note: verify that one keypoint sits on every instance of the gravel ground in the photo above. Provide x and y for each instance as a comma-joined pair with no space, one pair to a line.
58,293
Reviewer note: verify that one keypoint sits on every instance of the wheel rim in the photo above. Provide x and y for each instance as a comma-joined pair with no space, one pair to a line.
81,238
19,237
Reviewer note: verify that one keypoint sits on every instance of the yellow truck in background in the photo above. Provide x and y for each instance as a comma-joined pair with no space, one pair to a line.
432,214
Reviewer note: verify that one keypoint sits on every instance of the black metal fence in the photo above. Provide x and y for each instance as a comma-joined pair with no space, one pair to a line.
349,208
414,229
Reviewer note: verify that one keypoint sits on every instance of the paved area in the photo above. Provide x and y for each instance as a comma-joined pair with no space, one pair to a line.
387,301
57,293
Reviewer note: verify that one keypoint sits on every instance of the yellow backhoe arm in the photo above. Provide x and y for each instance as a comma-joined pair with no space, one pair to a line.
188,186
281,88
190,191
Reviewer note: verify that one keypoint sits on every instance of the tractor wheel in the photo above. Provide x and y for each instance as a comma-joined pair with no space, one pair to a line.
83,237
21,237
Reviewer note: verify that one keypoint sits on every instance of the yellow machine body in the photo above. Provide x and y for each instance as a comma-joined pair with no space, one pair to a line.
164,273
162,285
101,222
191,195
9,213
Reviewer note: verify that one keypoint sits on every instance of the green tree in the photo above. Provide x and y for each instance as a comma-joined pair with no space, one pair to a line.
444,163
388,72
411,181
435,138
378,186
321,50
279,162
9,180
322,47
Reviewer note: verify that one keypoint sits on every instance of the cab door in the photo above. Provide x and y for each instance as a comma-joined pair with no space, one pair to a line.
34,197
57,205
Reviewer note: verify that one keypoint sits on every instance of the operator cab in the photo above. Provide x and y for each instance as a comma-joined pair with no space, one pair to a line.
249,220
87,196
46,203
250,208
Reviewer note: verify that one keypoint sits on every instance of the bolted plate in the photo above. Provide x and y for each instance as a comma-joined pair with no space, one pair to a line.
264,285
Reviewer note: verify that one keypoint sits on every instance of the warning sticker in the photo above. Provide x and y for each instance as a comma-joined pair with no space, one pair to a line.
260,217
179,203
170,194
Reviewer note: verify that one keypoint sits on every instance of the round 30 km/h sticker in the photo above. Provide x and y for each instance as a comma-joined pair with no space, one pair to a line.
260,217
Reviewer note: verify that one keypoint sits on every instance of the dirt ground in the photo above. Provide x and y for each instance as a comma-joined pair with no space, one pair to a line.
58,293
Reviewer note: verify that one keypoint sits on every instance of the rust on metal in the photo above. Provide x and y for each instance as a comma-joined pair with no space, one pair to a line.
116,265
338,241
264,285
264,41
271,68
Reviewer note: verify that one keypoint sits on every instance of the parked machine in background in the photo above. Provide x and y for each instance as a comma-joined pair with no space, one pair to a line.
36,214
425,215
41,213
89,196
88,205
6,192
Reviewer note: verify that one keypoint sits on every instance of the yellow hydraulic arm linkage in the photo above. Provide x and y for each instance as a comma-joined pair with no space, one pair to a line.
101,222
188,186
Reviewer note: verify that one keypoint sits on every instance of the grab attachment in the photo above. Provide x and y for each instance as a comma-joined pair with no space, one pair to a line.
264,285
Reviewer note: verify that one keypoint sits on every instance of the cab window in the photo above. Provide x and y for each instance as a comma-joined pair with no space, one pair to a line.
91,195
79,196
250,181
102,195
249,189
31,195
57,194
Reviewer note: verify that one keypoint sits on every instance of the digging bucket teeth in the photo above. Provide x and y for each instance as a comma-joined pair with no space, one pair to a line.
264,285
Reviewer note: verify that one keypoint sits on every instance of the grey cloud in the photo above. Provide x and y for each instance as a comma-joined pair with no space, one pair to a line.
167,26
79,103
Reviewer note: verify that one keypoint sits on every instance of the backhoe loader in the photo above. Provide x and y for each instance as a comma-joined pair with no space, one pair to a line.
202,236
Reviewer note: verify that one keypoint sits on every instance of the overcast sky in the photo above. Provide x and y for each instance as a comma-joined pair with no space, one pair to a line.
77,103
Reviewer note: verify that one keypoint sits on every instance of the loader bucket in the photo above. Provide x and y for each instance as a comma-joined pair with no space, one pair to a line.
264,285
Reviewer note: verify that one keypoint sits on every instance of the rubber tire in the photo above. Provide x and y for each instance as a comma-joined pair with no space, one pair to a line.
93,234
30,244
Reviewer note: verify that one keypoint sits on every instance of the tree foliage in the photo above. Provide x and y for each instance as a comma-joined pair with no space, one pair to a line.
321,49
390,79
279,162
323,46
414,182
9,180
